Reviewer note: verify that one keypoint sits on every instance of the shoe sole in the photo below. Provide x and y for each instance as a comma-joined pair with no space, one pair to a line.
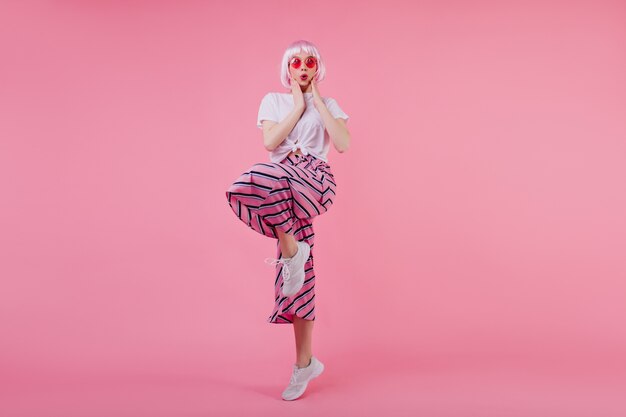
313,376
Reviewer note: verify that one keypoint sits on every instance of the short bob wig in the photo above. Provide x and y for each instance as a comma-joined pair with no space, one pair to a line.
295,48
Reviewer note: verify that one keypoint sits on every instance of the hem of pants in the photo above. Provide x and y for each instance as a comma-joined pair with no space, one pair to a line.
286,319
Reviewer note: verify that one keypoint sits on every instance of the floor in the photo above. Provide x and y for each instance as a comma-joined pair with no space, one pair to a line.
427,385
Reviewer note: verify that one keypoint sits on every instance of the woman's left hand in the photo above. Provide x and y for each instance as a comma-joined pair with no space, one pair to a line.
317,98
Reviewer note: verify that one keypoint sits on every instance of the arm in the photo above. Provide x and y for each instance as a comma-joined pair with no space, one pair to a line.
337,129
275,133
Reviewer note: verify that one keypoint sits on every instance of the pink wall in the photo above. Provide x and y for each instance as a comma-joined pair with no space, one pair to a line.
480,208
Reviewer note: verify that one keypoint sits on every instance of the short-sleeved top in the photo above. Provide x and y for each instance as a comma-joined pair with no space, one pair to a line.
309,133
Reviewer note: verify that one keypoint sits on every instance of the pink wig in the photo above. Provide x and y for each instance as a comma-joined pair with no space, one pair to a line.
295,48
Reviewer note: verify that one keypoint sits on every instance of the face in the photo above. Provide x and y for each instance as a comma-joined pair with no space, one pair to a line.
303,68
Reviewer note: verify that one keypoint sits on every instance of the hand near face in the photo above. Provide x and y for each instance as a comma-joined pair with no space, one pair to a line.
317,97
298,96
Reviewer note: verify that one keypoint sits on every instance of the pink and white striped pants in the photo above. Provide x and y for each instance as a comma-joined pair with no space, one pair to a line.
288,196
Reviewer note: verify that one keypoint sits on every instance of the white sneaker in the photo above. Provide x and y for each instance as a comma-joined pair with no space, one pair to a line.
293,269
301,377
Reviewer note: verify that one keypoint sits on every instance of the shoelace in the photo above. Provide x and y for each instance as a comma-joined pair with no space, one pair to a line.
294,375
285,262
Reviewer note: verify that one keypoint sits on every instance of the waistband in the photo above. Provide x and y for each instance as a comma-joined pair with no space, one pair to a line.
301,157
312,162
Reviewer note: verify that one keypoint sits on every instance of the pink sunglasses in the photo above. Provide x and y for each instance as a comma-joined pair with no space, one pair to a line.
296,62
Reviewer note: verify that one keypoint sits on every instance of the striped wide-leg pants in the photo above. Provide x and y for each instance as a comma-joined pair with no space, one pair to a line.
288,196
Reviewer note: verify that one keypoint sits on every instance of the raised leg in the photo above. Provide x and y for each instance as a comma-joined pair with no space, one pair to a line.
287,242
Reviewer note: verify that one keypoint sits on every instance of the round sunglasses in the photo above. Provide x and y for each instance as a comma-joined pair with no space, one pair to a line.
296,62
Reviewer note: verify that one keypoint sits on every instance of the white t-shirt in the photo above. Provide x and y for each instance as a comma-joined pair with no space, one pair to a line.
309,133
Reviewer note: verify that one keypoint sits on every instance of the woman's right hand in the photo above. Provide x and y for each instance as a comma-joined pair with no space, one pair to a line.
298,97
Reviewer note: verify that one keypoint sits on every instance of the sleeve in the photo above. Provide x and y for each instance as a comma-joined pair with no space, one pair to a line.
267,111
335,110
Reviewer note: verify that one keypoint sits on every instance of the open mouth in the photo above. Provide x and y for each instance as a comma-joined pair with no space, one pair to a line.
304,77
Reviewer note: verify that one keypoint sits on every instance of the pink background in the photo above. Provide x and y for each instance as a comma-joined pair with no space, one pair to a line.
473,262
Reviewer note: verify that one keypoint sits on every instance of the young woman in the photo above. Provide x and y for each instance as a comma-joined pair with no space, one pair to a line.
281,198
